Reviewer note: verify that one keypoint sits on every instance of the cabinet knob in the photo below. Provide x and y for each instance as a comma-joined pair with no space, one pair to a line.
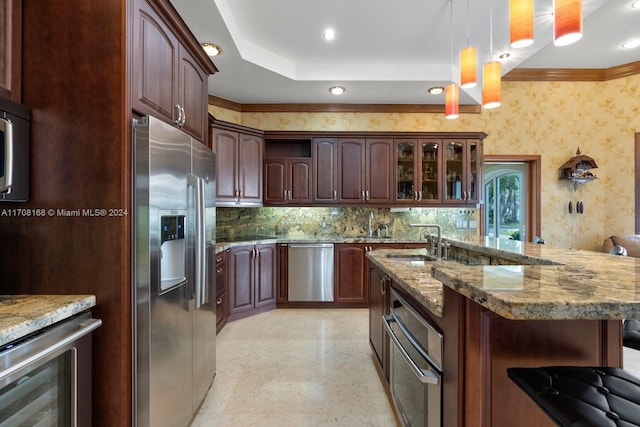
219,301
219,270
218,259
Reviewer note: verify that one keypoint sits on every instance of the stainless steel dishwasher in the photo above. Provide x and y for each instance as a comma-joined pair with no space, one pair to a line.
310,272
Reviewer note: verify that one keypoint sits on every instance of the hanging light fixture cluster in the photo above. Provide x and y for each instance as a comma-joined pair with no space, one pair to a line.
567,22
567,29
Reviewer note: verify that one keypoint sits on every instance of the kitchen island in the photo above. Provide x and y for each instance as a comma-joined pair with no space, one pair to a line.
504,303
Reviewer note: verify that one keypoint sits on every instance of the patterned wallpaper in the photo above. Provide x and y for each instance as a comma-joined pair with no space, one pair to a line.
547,118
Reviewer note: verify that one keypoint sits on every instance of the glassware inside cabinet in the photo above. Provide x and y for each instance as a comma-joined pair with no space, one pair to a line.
405,171
430,183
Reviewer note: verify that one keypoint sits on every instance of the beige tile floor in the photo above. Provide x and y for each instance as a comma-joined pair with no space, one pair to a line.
296,367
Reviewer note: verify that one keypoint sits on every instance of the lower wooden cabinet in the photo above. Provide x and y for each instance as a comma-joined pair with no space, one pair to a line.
379,297
351,281
251,279
221,289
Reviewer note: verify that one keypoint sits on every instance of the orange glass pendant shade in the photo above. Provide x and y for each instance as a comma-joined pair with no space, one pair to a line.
468,67
567,22
491,82
521,23
451,107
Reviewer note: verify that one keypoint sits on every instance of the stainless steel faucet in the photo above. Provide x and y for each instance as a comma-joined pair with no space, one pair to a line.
370,219
439,241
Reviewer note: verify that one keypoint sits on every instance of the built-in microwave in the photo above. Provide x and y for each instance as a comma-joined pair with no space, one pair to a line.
14,151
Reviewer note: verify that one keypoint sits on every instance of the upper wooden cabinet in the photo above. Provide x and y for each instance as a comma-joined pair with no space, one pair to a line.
239,157
167,82
418,171
324,152
364,170
11,49
462,171
287,181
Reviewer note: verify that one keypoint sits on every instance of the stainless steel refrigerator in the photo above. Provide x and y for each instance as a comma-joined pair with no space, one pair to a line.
174,296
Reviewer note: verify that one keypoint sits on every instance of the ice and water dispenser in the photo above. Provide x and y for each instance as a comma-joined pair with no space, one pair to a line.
172,251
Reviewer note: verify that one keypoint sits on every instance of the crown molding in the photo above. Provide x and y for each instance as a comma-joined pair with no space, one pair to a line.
571,74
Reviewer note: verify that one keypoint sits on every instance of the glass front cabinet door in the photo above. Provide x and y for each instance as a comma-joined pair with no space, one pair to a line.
462,171
417,171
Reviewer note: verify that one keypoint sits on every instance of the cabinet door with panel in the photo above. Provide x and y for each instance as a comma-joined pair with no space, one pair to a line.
351,281
250,155
11,49
155,56
192,96
365,170
238,167
351,170
240,279
378,171
251,279
324,152
379,297
167,81
265,275
287,181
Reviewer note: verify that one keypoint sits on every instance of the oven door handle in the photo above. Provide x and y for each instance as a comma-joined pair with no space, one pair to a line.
83,329
424,375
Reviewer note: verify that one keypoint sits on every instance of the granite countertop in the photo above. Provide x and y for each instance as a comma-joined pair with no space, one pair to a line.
223,244
21,315
552,283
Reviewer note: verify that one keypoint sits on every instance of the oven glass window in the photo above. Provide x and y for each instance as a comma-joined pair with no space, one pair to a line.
42,397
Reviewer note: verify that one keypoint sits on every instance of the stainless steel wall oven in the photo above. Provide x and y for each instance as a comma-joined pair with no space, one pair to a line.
45,378
416,365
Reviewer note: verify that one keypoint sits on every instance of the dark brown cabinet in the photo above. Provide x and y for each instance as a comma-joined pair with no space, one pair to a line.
220,265
166,82
239,165
287,181
324,152
11,49
364,170
462,171
379,297
418,171
251,279
351,275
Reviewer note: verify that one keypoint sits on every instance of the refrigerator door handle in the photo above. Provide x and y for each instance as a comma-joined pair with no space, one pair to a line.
200,284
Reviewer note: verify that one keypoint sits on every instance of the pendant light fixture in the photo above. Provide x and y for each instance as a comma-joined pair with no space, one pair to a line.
567,22
451,93
468,61
491,74
521,23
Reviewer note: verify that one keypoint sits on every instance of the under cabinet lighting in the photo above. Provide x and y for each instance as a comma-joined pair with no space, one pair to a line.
435,90
337,90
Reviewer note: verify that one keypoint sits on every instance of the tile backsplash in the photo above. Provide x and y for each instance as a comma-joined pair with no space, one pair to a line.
295,222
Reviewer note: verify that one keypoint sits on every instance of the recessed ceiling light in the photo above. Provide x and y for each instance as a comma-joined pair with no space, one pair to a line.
507,54
636,4
436,90
631,44
337,90
329,34
211,49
